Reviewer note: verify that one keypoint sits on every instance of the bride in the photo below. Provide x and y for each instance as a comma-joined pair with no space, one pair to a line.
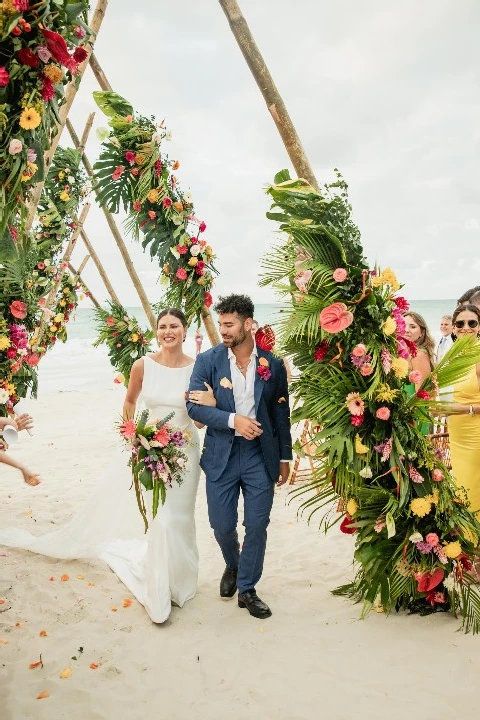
161,567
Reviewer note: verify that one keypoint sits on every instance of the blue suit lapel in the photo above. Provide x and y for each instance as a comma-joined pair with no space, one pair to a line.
224,371
259,382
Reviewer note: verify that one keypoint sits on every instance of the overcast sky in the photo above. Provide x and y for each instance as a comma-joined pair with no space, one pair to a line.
386,91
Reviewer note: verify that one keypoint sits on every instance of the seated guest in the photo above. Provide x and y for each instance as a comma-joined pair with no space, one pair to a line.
446,340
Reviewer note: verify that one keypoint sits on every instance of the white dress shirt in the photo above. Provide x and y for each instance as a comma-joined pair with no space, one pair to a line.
445,344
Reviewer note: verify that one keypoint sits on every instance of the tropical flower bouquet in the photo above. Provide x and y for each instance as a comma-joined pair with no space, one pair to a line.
133,172
377,476
156,458
122,334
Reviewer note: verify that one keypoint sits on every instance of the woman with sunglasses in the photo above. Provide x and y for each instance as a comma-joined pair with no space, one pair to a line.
464,414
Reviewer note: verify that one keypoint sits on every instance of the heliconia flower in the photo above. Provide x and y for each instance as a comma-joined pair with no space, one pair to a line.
414,475
321,351
386,360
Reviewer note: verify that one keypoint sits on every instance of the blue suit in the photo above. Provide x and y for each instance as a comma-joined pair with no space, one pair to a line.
232,463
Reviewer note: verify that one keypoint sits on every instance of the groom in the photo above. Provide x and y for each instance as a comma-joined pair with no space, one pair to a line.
247,446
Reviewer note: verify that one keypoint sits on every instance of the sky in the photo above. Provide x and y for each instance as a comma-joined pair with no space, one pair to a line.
387,92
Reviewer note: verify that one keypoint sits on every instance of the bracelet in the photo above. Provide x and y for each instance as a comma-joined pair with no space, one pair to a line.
471,411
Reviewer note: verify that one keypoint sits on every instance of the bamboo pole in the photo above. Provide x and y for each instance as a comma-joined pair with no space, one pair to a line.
76,275
117,236
70,93
102,80
82,264
272,97
99,266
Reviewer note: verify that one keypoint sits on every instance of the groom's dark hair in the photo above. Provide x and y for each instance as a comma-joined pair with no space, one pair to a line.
240,304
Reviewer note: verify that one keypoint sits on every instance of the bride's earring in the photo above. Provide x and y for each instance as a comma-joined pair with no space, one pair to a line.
184,338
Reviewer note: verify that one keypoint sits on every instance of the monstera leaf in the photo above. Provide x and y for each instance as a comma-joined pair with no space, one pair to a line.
112,104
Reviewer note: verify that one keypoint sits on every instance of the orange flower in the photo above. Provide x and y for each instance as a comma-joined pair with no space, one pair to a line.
178,206
335,318
175,165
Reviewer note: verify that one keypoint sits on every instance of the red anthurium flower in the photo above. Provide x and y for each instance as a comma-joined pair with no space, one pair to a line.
58,47
427,581
346,525
208,299
265,338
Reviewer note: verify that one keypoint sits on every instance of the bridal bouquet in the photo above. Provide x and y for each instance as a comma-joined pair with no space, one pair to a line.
156,457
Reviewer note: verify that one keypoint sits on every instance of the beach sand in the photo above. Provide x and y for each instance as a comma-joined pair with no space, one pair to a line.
314,658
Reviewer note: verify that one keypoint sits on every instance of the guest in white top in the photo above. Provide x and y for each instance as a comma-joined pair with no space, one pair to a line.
446,341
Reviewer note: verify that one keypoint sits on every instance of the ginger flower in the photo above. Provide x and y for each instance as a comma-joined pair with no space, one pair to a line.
354,403
420,506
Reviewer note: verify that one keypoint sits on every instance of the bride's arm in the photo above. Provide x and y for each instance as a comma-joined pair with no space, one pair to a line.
133,390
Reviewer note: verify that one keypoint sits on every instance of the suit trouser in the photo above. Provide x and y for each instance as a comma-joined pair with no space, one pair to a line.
245,471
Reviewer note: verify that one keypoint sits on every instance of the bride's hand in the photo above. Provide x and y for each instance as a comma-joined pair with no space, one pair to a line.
203,397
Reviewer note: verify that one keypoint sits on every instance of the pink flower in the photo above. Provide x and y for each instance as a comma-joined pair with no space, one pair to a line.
202,227
110,321
118,172
354,403
79,32
432,539
11,353
15,146
366,370
32,359
359,350
415,377
48,91
41,266
386,360
415,476
335,318
137,205
129,118
162,436
43,53
302,279
383,413
181,274
357,420
340,275
181,249
401,303
4,76
264,372
152,214
128,429
18,309
167,202
130,157
437,475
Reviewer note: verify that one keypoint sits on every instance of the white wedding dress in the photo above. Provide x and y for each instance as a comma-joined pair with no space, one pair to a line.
160,567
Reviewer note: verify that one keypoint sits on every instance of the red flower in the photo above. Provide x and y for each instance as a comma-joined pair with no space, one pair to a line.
33,359
346,525
4,76
48,91
110,321
427,581
401,303
11,352
200,267
181,274
80,54
158,167
321,351
181,249
130,156
265,338
28,57
264,372
202,227
41,266
137,205
167,202
335,318
118,172
18,309
465,562
423,395
58,47
208,300
357,420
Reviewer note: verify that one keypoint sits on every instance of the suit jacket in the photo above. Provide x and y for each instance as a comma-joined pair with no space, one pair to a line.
271,407
444,344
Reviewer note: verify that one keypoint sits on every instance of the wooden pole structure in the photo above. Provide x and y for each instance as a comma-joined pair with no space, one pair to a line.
70,93
102,80
76,274
101,270
117,236
267,87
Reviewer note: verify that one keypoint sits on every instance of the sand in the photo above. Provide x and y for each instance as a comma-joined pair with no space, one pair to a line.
314,658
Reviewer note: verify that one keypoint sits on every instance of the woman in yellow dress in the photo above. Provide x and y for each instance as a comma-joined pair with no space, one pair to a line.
464,414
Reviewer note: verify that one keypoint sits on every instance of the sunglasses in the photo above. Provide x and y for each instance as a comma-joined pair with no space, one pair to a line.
461,323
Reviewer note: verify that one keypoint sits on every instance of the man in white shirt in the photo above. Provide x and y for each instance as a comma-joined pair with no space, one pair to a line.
446,340
248,444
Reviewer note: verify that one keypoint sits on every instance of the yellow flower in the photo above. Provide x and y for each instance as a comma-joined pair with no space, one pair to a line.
62,303
30,119
389,278
152,195
434,497
4,342
29,171
61,175
64,196
134,338
386,394
360,448
400,367
352,506
66,291
389,326
420,506
377,281
58,318
452,550
178,206
53,328
166,268
209,250
468,535
193,261
10,388
53,72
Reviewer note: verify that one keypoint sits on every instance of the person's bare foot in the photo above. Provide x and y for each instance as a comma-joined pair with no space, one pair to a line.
31,478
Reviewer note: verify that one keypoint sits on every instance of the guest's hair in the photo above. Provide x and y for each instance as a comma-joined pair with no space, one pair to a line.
240,304
466,306
469,296
425,341
446,317
175,312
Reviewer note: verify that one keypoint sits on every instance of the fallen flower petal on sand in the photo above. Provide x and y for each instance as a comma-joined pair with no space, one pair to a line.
64,578
93,666
66,673
127,602
114,609
44,694
43,633
3,641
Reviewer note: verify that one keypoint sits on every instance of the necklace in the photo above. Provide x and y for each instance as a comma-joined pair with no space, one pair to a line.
242,367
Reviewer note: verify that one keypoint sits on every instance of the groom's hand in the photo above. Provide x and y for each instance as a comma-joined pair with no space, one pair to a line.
246,427
284,473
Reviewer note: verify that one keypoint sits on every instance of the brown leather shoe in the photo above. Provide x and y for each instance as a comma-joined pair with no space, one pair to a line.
254,605
228,583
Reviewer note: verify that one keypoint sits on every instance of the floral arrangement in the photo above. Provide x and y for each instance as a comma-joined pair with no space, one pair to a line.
133,172
156,458
125,340
376,474
43,45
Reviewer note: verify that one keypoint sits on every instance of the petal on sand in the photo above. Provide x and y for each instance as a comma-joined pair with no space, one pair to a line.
34,665
44,694
127,602
2,601
64,578
3,641
66,673
43,633
93,666
80,577
113,609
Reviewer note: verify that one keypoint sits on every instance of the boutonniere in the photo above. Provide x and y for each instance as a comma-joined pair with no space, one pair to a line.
263,369
226,383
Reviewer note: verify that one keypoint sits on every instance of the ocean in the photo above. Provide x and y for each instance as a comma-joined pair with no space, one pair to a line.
78,365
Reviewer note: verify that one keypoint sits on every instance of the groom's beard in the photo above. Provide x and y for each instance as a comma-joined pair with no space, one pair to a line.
236,340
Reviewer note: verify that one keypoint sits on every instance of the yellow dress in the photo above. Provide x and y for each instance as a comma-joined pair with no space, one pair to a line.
465,439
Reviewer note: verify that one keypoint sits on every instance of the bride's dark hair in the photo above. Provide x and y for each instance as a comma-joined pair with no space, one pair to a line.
176,313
